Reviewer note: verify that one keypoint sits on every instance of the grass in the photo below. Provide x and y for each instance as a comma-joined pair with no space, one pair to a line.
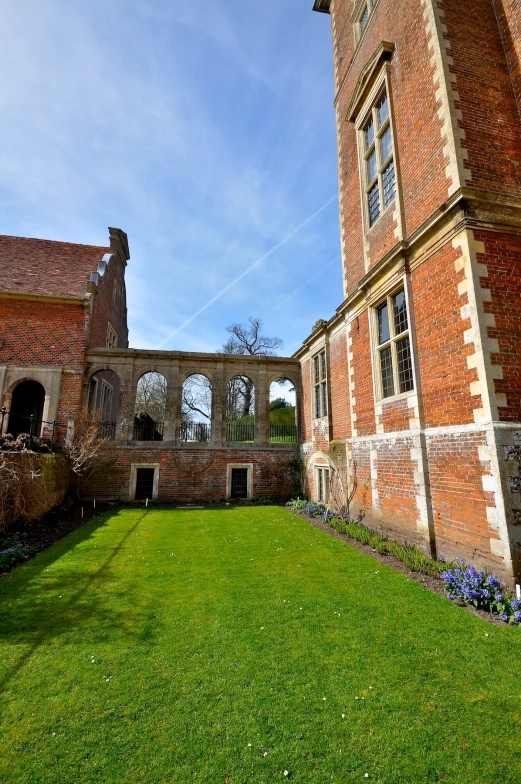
155,646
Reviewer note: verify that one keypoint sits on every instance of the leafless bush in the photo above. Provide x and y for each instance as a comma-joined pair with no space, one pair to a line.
23,490
84,449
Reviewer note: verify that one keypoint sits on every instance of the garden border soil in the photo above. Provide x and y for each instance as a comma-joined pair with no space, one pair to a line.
42,533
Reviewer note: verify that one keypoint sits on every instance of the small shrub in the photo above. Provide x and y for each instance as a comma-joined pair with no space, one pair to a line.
482,590
14,550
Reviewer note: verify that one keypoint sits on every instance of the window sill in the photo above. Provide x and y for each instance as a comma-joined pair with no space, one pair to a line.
396,398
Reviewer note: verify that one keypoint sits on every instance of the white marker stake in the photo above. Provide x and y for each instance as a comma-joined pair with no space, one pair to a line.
82,511
94,503
518,591
146,504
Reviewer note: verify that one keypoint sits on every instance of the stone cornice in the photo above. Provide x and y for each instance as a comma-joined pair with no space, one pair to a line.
13,295
365,81
467,207
111,354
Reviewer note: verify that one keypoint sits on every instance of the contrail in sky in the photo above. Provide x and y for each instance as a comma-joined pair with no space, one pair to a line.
247,271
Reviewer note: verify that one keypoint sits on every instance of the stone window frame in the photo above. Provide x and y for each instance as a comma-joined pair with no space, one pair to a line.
133,480
106,387
321,387
362,7
377,348
365,151
322,489
112,337
229,468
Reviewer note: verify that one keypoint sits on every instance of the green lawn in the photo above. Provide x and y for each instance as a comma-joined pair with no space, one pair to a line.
157,645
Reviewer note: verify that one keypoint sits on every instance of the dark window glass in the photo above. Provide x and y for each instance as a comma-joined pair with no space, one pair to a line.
144,483
383,325
386,365
386,143
320,485
364,19
323,364
324,399
317,370
389,184
317,402
382,109
372,168
369,134
403,352
373,201
401,322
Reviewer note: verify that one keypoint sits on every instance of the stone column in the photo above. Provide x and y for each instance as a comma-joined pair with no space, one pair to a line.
125,418
219,393
172,410
262,409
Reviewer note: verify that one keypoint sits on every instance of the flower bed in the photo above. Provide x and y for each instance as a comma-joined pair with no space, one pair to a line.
463,583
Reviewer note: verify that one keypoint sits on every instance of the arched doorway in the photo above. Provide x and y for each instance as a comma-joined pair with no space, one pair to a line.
240,410
283,424
196,409
27,409
151,397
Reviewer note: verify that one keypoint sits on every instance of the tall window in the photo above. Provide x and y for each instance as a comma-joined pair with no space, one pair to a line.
394,346
380,173
320,382
323,485
363,18
112,337
106,401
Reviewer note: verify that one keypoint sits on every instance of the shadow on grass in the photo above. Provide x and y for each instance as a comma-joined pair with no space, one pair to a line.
43,619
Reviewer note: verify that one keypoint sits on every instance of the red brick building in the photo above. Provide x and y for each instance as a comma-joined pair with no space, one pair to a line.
414,385
64,348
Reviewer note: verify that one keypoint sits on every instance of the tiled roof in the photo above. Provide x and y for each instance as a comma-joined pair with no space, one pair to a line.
45,267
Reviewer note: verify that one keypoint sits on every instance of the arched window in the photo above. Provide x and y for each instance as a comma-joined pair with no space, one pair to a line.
196,409
103,401
283,426
240,410
150,407
26,413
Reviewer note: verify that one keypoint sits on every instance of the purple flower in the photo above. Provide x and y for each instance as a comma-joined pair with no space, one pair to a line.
504,618
499,597
517,617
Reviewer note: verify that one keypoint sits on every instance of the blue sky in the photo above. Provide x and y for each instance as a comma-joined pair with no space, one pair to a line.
205,130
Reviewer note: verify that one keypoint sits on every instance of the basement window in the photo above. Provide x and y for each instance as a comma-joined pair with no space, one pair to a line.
322,485
394,356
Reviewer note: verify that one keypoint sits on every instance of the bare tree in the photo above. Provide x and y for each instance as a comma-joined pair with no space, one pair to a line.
23,489
246,339
151,396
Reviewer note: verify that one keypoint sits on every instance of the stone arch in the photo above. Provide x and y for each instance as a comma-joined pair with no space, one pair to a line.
150,406
241,395
282,410
197,393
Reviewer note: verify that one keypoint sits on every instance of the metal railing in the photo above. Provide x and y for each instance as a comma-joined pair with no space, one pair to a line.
30,426
238,432
107,430
148,431
198,432
283,434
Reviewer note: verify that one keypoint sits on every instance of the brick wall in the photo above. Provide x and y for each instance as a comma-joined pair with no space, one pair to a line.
197,475
109,309
508,13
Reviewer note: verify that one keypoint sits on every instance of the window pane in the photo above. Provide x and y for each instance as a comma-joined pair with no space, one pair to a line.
317,402
371,167
373,201
326,486
383,325
317,370
364,19
369,134
382,109
320,485
323,364
386,143
401,322
389,184
324,399
386,366
403,352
